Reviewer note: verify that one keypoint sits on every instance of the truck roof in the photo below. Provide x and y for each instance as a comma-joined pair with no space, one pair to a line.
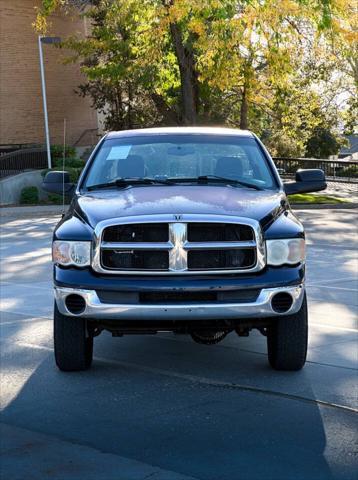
180,131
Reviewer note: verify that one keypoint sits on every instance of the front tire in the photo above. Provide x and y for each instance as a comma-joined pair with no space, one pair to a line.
73,345
287,340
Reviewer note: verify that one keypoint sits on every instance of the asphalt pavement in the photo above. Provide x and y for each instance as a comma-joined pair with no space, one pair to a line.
164,408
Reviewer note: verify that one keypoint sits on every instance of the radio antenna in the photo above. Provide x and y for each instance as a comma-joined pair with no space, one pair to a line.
63,166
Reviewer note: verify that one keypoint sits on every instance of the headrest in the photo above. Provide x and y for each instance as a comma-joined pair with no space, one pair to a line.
229,167
131,167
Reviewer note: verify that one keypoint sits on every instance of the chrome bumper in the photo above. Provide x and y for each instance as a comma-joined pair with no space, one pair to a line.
191,311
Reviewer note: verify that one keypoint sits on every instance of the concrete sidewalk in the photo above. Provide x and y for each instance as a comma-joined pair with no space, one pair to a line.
47,457
162,407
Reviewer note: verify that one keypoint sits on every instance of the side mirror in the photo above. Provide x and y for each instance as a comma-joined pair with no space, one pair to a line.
310,180
57,182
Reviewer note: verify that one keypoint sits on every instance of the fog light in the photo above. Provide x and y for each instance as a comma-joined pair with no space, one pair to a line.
281,302
75,304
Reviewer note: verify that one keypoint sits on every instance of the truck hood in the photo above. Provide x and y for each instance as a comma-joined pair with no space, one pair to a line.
263,205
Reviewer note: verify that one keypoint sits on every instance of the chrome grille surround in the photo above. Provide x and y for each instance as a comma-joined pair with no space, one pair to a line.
178,245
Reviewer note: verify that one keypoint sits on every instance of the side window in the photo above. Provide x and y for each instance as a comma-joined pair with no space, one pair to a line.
259,167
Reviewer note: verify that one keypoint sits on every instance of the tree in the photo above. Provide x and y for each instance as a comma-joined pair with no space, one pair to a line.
248,63
322,143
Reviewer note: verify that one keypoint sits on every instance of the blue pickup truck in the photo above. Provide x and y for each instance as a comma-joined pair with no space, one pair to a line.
186,230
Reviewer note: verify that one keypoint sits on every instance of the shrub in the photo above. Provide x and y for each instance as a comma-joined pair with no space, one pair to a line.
69,162
55,198
29,196
347,171
57,151
74,172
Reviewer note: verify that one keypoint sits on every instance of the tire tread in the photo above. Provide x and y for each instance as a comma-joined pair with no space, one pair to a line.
287,340
73,348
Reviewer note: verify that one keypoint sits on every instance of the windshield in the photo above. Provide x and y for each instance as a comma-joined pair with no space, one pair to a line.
180,157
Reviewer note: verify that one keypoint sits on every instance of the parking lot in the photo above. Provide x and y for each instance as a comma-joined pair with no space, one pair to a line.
163,407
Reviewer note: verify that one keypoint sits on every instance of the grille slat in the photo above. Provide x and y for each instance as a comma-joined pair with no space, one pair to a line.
176,296
135,260
219,232
139,232
136,246
218,245
221,259
176,247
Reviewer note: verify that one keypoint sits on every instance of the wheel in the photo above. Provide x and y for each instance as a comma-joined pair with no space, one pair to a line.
73,345
287,340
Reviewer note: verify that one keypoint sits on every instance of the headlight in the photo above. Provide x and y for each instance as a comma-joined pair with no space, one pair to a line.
71,253
290,251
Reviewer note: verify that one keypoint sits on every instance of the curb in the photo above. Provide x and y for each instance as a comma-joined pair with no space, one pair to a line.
324,206
32,211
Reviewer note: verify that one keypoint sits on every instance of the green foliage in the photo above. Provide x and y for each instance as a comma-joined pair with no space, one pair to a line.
274,67
350,114
281,145
348,171
73,165
315,198
323,143
29,196
54,199
74,172
57,151
69,162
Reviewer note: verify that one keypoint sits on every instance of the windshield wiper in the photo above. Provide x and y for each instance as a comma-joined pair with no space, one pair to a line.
206,178
228,180
124,182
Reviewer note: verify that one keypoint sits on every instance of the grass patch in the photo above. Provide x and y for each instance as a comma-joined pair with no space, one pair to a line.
315,199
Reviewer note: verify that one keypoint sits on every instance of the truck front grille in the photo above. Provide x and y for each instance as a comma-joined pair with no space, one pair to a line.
142,232
135,259
178,296
179,247
221,259
219,232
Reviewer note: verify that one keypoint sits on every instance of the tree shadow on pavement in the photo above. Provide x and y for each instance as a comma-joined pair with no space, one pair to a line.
180,425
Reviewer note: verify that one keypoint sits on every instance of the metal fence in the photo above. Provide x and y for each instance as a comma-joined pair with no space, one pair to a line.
20,160
11,147
335,170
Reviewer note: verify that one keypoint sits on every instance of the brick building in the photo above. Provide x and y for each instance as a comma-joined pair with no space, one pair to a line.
21,111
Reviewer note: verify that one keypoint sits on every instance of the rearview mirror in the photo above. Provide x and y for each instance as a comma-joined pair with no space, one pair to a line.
181,150
58,182
310,180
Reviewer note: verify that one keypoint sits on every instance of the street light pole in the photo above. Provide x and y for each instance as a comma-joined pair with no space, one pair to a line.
42,40
44,100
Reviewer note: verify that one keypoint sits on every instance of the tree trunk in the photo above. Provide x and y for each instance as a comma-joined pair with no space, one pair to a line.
244,110
168,114
188,77
129,111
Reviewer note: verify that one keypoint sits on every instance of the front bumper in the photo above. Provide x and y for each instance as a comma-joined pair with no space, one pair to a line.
260,308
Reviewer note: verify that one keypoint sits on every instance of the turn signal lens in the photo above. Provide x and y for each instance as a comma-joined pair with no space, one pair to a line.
71,253
285,251
61,253
296,250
